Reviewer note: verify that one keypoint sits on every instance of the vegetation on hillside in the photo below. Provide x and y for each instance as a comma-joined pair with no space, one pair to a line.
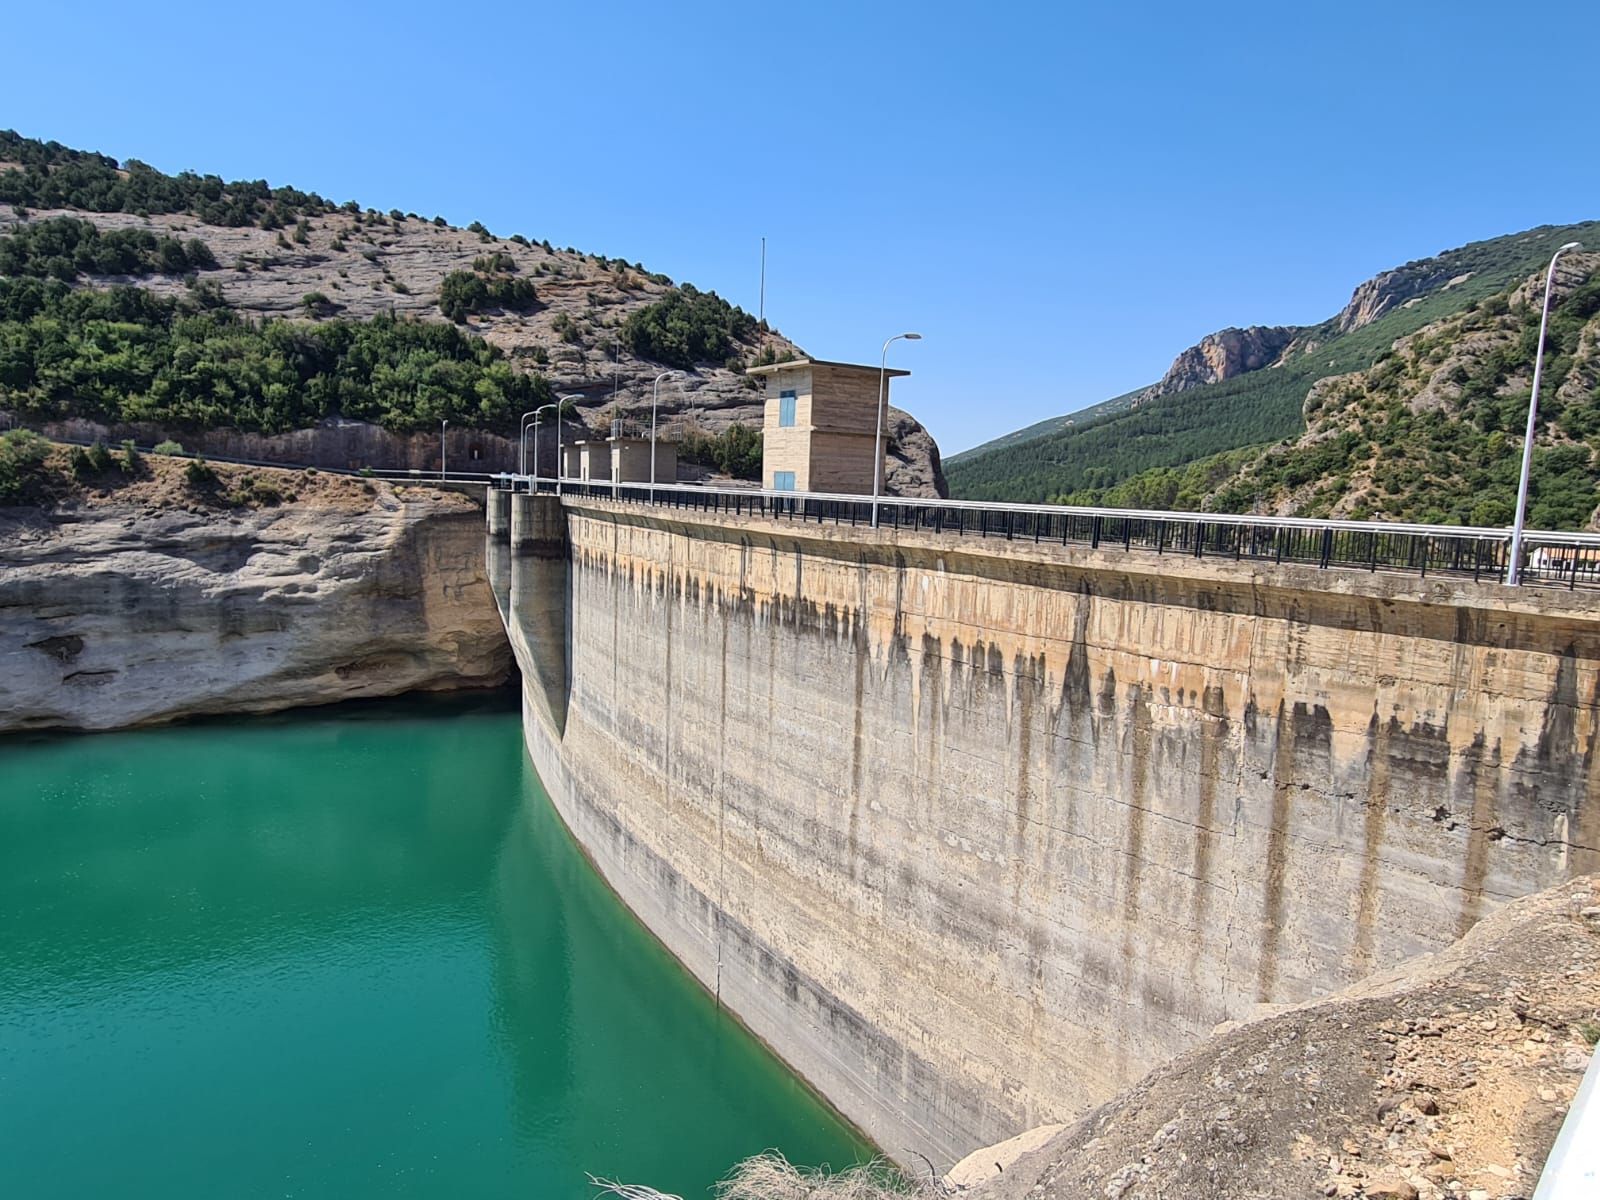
1433,431
687,327
1096,455
465,292
125,354
54,176
64,248
736,451
22,465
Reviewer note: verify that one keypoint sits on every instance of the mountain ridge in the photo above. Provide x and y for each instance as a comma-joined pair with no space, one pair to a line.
1215,404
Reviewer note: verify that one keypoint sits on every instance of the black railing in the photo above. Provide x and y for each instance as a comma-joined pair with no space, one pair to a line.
1550,559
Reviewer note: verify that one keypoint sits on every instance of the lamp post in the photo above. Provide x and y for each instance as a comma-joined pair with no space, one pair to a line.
560,400
655,395
883,403
443,421
1514,568
522,443
534,485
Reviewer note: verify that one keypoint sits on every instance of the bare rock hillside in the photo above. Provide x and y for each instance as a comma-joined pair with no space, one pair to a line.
359,265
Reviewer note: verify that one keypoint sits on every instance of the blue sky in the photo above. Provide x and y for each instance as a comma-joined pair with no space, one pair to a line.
1059,197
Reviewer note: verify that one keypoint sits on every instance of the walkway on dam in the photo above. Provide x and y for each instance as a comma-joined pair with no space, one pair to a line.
1550,559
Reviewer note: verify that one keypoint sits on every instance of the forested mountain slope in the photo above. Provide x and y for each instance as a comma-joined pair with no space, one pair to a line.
186,303
1433,430
1175,445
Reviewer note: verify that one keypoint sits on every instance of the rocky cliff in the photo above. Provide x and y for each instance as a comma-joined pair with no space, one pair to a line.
149,599
1224,354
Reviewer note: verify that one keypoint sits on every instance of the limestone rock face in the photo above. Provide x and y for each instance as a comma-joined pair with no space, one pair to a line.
1389,290
1224,354
118,613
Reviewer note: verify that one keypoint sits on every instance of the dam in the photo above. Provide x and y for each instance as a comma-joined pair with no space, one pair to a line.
974,831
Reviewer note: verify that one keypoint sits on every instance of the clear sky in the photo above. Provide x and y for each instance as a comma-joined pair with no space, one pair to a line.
1060,197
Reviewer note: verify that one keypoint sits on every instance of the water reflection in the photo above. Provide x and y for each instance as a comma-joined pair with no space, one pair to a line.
343,955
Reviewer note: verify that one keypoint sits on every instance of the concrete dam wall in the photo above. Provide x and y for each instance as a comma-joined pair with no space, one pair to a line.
975,833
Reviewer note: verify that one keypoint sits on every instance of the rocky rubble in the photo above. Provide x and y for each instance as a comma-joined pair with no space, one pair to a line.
1445,1079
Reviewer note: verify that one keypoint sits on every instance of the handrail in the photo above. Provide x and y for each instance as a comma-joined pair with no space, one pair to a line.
1551,557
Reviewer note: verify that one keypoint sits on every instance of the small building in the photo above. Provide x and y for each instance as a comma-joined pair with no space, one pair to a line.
820,426
630,460
589,461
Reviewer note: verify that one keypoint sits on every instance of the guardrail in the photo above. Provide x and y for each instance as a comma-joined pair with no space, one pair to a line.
1551,559
392,474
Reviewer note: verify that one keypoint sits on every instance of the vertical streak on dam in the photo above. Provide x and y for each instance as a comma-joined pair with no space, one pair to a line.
983,831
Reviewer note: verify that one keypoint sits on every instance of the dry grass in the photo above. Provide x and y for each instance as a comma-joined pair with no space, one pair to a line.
770,1176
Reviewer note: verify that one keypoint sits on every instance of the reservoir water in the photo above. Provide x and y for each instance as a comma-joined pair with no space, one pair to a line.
346,954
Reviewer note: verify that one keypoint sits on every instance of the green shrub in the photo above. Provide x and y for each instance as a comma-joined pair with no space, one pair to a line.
736,451
168,447
199,473
464,292
126,355
93,462
22,465
54,176
132,460
65,247
687,327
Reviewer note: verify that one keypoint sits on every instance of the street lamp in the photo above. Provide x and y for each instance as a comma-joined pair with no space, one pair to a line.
443,421
883,403
534,485
655,394
1514,569
560,400
522,443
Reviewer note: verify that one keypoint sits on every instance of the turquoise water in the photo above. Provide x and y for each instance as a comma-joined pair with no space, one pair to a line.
347,954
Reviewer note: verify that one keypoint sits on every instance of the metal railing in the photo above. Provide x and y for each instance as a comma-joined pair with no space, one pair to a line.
391,474
1551,559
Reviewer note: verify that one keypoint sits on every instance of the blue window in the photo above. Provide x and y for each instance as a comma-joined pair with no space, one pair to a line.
786,408
783,481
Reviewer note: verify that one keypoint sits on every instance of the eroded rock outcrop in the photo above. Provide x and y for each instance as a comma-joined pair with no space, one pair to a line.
1224,354
152,601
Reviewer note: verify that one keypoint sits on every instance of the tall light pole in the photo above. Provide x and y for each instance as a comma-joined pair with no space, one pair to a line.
443,421
1514,568
522,443
655,395
883,403
534,486
570,397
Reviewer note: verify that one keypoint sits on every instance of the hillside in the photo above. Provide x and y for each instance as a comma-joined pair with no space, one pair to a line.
181,304
1432,431
1162,443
